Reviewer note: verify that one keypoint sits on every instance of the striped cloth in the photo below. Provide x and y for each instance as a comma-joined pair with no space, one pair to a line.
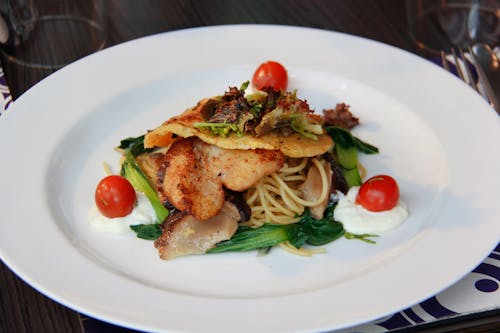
5,96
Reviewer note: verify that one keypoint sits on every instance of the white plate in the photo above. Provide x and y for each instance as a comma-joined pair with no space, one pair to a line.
436,136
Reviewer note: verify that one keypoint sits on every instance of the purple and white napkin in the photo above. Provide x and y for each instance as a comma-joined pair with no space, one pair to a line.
5,96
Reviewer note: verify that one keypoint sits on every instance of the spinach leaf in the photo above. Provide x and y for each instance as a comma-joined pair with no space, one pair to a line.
364,147
322,231
147,231
344,138
307,231
347,147
246,238
297,235
135,145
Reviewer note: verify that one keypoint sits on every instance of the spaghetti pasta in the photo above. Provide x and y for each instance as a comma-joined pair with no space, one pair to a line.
277,197
304,252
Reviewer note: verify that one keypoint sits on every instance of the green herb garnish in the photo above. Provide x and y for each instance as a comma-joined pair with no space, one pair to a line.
222,129
362,237
300,124
244,86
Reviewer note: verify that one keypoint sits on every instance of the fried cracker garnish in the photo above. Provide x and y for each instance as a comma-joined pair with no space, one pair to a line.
292,145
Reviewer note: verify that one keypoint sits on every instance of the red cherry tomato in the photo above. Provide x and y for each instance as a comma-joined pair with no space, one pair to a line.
378,193
115,196
270,74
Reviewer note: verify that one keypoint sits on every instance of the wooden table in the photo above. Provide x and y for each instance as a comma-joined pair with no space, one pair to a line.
25,310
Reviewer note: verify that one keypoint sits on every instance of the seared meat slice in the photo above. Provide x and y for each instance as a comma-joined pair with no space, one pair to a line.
312,187
184,235
340,117
196,174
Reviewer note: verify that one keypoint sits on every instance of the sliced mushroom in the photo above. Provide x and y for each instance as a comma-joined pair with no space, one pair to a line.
185,235
238,200
312,188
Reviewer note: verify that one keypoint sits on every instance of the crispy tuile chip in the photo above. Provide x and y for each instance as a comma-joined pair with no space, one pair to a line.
292,145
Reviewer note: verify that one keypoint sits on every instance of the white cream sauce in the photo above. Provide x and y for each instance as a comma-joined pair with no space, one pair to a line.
143,213
358,220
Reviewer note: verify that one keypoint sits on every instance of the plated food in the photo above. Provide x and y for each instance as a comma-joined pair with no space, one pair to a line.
420,145
251,169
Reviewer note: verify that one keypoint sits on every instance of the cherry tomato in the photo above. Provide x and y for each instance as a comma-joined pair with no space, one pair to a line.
378,193
270,74
115,196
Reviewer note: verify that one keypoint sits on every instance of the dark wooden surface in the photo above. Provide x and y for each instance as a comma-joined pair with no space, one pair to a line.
22,309
383,20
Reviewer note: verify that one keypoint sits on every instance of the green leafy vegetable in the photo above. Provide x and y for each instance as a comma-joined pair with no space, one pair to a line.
135,145
347,147
247,239
323,231
255,109
302,125
244,86
131,170
307,231
344,138
352,177
222,129
347,156
147,231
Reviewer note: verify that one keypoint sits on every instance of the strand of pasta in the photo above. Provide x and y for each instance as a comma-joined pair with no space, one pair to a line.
279,190
275,198
289,170
107,168
277,205
304,252
324,190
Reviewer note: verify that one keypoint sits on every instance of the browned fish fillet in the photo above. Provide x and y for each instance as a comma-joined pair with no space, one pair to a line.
184,235
196,174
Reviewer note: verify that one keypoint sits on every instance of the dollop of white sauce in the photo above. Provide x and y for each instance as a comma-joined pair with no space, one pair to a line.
143,213
358,220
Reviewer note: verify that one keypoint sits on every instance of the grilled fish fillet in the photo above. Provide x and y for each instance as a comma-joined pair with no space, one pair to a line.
196,174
